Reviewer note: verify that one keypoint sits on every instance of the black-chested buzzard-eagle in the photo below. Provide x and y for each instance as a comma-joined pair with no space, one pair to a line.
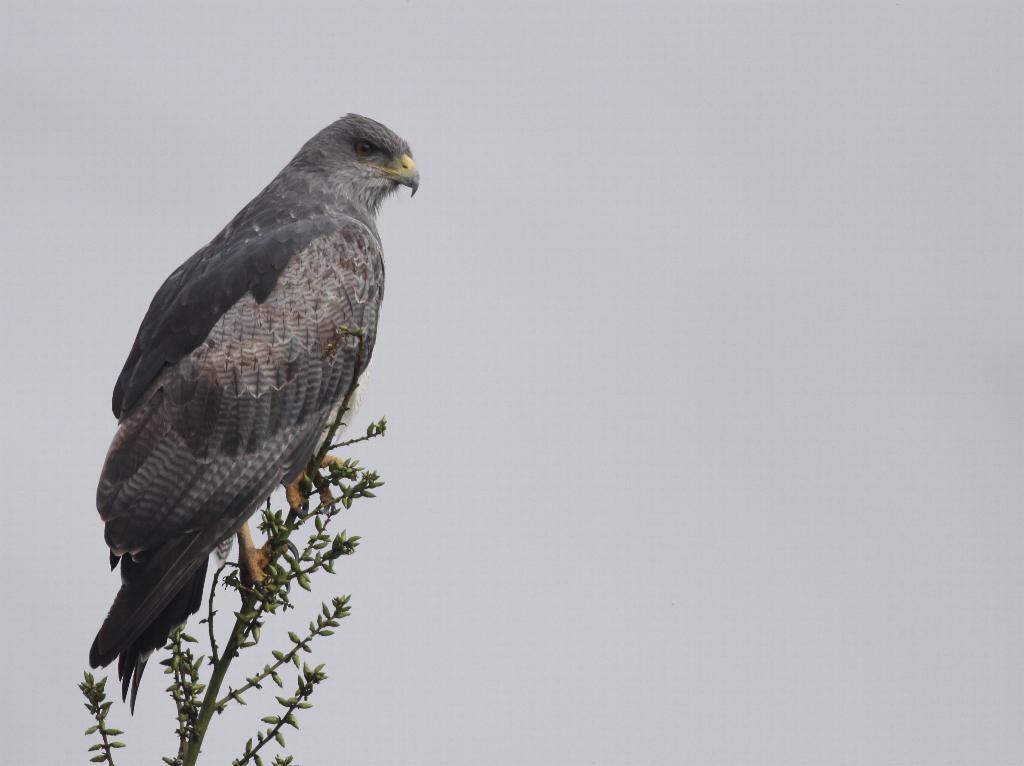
242,358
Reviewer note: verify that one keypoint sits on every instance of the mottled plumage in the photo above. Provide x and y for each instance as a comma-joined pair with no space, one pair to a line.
245,352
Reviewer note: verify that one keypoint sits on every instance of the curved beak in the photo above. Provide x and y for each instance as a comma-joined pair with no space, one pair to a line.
405,173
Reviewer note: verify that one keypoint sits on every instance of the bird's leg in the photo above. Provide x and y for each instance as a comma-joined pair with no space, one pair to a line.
251,560
294,495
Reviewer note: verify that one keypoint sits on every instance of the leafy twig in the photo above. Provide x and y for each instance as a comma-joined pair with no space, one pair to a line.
185,689
372,431
305,683
98,706
325,622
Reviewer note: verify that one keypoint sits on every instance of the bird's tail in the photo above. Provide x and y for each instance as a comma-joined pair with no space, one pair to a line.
159,590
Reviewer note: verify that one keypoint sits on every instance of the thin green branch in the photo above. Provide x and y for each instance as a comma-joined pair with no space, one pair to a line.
98,705
209,705
305,684
210,612
185,688
325,622
372,432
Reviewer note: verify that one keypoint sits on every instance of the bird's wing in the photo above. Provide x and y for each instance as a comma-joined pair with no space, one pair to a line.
218,429
248,256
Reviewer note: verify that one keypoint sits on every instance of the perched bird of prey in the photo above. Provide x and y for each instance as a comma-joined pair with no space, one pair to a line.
243,357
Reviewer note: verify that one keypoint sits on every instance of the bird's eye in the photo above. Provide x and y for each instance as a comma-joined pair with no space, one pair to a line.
363,148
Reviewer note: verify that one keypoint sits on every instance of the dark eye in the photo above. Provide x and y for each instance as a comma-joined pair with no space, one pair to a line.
363,148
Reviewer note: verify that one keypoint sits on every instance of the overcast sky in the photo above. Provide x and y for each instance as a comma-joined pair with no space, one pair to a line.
701,351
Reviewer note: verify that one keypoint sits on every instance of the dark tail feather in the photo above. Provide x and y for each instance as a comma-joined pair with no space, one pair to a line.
115,637
132,661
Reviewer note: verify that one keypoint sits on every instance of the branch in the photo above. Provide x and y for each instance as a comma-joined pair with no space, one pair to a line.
305,684
243,618
98,706
325,621
372,431
210,612
184,689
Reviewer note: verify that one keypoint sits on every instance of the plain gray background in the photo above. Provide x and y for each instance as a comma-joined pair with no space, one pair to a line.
701,350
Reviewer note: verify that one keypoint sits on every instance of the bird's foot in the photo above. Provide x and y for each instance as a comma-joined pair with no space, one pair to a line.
294,493
297,493
253,566
252,561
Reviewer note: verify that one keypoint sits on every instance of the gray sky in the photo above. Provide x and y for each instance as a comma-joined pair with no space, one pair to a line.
701,350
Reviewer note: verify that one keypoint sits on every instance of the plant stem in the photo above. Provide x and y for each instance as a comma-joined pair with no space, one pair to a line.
263,675
107,750
220,670
305,689
215,658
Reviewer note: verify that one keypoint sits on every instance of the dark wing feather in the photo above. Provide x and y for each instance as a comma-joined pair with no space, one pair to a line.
220,427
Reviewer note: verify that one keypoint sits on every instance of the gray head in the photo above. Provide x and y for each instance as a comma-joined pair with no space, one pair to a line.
361,159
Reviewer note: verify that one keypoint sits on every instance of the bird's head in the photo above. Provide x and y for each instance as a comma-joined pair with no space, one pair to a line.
361,159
